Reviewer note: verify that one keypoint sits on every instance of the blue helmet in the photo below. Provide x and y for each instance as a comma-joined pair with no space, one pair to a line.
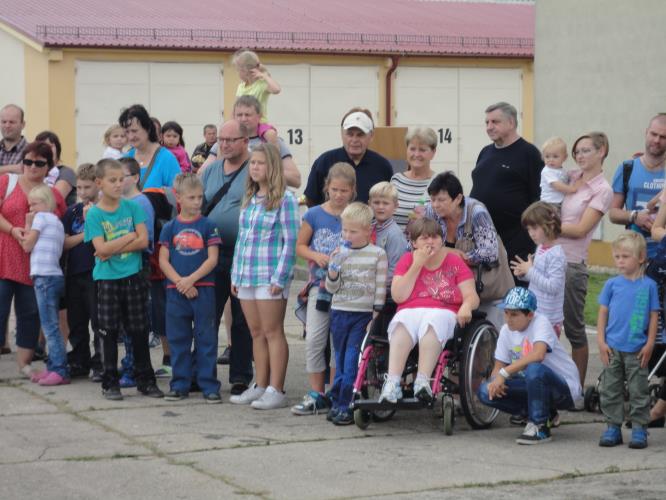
519,298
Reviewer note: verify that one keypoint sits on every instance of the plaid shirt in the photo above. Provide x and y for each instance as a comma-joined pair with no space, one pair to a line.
266,245
14,155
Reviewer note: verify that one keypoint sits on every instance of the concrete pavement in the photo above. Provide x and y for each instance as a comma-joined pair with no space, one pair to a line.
68,442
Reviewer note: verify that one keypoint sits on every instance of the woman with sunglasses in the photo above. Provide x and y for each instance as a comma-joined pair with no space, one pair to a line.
15,282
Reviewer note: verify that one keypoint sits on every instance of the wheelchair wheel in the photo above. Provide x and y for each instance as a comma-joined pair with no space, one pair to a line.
476,365
374,379
591,399
361,419
448,414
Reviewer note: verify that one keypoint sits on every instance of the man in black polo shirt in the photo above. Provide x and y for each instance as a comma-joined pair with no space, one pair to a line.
506,178
370,167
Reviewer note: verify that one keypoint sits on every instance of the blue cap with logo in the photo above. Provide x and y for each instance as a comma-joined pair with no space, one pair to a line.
519,298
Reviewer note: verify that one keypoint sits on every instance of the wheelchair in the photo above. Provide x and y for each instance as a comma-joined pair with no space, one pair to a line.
466,360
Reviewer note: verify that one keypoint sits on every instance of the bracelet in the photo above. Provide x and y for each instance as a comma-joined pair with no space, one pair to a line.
633,216
504,373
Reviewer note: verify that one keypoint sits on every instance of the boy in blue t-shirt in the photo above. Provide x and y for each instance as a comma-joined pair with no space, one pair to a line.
80,298
188,256
118,233
626,332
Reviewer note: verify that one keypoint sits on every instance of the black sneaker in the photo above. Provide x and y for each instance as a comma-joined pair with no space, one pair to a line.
96,375
175,396
344,418
225,357
213,398
78,371
152,391
331,414
534,434
238,389
112,394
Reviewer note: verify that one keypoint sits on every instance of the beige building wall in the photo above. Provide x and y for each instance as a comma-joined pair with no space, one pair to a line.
12,83
599,65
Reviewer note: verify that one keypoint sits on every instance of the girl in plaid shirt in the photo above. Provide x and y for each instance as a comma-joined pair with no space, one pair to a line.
261,271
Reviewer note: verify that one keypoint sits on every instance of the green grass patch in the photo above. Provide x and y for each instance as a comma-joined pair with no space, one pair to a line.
594,286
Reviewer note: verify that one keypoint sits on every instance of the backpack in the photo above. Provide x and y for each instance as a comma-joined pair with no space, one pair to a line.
165,207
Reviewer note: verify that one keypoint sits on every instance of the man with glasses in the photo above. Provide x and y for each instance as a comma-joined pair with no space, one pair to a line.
13,143
506,178
223,208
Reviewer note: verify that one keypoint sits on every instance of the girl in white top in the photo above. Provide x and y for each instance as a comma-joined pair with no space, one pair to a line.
44,239
114,140
412,185
546,269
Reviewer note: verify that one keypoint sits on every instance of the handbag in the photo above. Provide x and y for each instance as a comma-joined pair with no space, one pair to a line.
493,279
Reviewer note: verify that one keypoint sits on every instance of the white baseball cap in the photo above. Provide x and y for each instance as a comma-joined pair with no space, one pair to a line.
358,120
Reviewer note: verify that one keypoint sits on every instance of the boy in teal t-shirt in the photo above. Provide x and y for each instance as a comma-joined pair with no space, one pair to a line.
118,232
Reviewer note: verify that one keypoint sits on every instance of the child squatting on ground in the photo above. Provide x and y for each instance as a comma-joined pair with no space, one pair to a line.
357,279
626,332
533,375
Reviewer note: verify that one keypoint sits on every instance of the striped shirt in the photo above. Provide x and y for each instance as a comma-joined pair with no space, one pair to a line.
410,193
266,245
361,284
45,256
546,277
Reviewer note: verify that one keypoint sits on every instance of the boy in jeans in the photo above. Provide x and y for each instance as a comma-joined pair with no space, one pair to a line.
357,279
118,233
80,297
533,375
188,256
626,332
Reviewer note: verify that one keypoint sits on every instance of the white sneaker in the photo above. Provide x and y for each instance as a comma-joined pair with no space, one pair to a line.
251,394
391,391
270,401
422,389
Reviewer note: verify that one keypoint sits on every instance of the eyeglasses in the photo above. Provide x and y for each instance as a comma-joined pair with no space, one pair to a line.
36,163
228,140
586,151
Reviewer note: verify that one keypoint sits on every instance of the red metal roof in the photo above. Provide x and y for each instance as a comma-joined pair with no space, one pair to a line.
356,26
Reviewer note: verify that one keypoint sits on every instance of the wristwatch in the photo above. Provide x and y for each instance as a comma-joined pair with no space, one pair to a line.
632,217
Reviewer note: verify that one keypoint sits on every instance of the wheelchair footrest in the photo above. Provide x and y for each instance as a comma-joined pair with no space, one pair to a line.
402,404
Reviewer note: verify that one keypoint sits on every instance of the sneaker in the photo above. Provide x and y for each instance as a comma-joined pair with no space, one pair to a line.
163,371
248,395
26,372
152,391
534,434
612,436
554,420
35,377
345,417
175,395
52,378
78,371
391,391
154,341
112,394
271,400
127,381
312,402
518,420
238,389
638,438
213,398
225,357
96,375
331,414
422,389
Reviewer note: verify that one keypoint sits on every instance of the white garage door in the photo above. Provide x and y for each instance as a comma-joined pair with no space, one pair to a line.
189,93
452,102
308,111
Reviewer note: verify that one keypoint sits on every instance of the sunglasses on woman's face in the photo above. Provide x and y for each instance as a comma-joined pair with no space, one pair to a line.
36,163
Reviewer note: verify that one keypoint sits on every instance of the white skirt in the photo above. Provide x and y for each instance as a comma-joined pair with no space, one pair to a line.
417,321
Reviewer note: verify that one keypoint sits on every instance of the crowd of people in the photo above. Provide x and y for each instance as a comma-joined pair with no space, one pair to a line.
151,239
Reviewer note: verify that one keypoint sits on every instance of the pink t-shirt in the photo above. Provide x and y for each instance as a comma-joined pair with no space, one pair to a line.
595,193
437,288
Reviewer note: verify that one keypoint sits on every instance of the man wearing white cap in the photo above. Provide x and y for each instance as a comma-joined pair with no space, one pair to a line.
370,167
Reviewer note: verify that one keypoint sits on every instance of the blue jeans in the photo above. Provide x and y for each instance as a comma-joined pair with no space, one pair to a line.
48,290
181,313
347,330
534,395
27,314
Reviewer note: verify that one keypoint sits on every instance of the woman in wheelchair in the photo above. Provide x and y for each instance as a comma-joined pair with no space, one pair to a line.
434,289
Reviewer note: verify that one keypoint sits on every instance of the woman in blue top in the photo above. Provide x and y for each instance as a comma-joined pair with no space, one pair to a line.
142,136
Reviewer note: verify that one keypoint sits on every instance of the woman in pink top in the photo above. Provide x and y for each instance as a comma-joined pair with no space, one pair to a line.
434,289
581,213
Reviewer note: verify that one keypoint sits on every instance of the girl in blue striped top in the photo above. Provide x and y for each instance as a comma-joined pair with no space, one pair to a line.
262,270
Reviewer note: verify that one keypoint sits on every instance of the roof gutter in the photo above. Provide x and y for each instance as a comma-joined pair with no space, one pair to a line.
389,88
